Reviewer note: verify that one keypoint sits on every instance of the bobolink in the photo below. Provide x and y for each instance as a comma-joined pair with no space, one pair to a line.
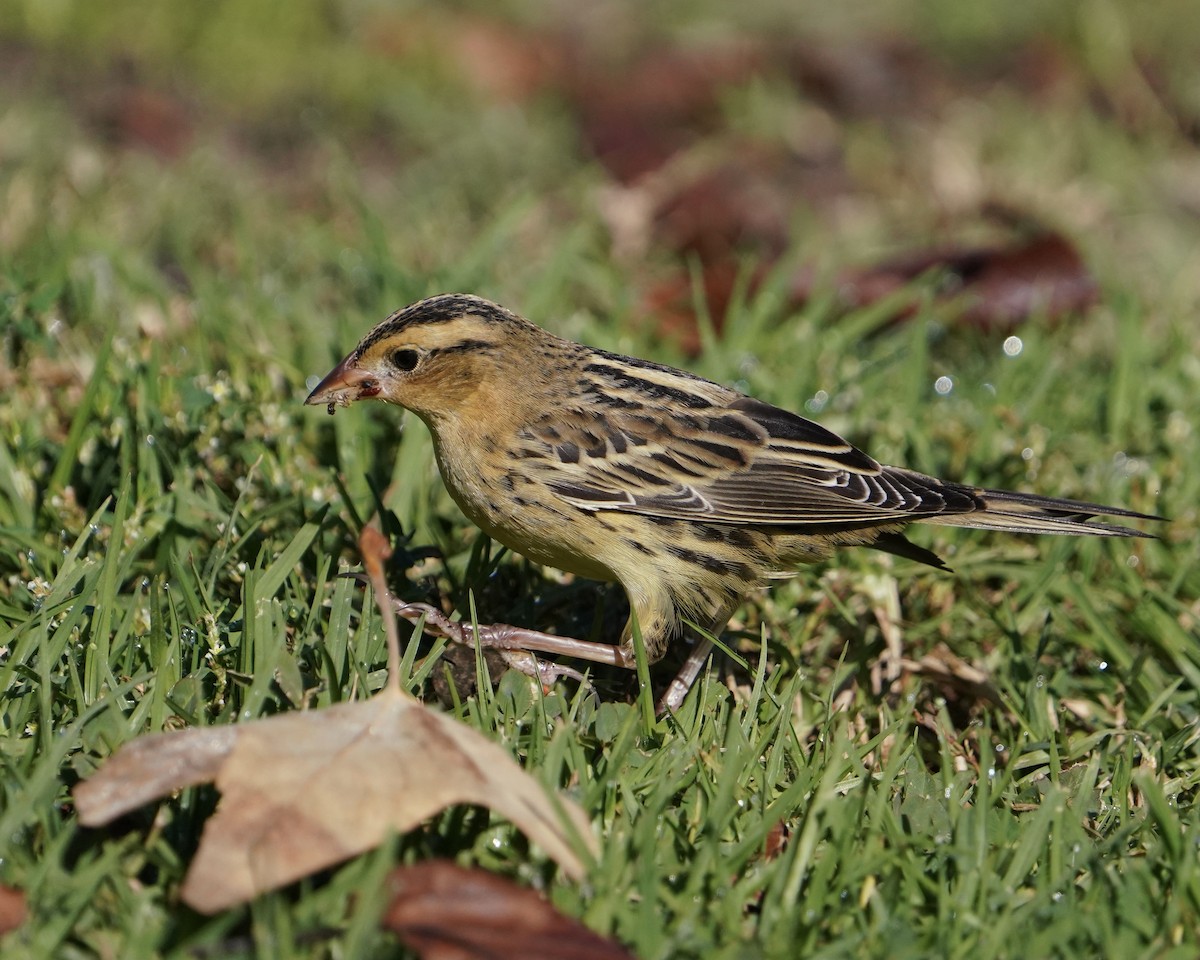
686,492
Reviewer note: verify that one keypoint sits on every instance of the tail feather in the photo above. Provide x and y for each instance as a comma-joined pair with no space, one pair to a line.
1013,512
896,543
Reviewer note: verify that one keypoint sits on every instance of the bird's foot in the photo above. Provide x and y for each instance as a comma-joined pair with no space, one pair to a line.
515,644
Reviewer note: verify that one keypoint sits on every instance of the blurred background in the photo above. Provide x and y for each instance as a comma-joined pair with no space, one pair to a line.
381,150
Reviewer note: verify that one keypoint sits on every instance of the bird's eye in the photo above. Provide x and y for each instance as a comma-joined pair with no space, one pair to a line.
405,360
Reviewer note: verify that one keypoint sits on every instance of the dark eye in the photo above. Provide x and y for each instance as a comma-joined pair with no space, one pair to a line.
405,360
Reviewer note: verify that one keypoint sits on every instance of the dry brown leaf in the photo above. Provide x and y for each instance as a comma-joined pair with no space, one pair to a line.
446,912
303,791
151,119
151,767
12,908
997,288
634,116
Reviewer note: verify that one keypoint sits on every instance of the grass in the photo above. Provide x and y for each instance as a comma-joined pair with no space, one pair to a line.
173,522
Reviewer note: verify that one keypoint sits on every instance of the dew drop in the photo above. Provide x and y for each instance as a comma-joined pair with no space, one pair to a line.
943,385
1013,346
817,402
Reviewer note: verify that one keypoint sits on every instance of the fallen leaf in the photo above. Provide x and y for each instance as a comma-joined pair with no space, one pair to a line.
127,112
776,841
151,767
997,287
446,912
635,116
150,119
303,791
13,910
992,288
742,204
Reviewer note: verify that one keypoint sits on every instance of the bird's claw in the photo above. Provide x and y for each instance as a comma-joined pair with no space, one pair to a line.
501,637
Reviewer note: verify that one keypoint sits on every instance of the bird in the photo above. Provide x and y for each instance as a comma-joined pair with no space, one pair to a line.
686,492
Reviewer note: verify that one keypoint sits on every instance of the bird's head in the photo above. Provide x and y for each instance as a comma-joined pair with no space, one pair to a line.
435,357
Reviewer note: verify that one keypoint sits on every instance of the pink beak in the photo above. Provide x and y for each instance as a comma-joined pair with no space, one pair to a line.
344,384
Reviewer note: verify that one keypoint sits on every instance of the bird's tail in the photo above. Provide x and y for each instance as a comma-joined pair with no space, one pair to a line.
1014,512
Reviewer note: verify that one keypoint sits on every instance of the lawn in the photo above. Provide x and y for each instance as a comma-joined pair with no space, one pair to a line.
204,206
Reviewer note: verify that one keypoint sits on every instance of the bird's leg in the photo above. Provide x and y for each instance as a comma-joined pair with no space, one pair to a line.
544,672
677,690
517,643
514,641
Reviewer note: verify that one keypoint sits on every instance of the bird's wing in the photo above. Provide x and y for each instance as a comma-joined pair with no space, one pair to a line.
743,462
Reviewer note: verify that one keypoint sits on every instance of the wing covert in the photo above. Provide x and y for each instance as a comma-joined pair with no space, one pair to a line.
745,462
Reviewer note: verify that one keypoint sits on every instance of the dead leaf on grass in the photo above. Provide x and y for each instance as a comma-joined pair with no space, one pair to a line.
993,289
998,287
12,908
303,791
446,912
634,116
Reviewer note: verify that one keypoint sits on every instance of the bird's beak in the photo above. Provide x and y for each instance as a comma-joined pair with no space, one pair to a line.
344,384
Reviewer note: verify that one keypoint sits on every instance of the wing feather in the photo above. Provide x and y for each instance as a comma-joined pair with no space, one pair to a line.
718,456
745,462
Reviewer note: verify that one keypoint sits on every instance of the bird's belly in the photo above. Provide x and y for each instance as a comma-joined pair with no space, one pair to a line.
554,534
